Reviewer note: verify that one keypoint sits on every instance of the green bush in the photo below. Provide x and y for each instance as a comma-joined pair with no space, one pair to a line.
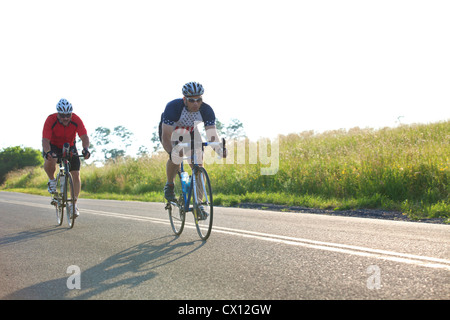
15,158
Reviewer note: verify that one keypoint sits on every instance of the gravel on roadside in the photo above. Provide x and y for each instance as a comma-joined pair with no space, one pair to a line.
360,213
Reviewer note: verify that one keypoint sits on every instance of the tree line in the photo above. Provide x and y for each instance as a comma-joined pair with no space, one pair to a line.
107,141
110,143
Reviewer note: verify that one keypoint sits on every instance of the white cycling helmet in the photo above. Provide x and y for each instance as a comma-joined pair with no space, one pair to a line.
64,106
191,89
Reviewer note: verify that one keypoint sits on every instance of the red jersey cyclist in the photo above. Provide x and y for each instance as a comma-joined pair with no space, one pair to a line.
59,128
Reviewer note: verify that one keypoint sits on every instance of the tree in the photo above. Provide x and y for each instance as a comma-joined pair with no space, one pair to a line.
124,134
143,151
113,143
155,139
235,130
15,158
101,136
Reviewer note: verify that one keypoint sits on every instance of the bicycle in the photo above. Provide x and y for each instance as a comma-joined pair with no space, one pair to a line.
197,187
64,183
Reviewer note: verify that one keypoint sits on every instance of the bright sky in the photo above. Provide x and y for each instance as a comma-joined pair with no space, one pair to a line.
279,66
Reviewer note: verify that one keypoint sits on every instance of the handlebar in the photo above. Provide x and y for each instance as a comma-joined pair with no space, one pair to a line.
204,144
65,153
60,156
73,155
192,145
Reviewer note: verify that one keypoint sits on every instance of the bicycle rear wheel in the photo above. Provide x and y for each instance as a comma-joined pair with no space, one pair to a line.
69,196
203,203
176,210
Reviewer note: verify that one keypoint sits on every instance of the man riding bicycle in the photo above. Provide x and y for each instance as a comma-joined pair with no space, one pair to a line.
182,116
59,128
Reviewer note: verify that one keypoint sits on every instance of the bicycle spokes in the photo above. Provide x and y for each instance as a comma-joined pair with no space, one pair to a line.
203,206
176,210
69,196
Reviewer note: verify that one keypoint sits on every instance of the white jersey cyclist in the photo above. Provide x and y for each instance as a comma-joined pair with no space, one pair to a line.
183,116
176,114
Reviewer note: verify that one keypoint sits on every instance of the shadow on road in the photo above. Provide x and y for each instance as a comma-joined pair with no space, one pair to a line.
32,234
123,271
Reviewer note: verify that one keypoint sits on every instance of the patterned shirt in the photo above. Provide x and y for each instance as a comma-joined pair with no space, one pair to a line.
176,114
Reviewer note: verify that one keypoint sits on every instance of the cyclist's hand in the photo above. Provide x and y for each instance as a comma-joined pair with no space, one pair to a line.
49,155
86,153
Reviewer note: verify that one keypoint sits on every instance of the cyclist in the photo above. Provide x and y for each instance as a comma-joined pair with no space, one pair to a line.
183,116
59,128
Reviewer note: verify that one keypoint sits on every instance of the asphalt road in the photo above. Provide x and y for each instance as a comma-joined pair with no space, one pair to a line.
126,250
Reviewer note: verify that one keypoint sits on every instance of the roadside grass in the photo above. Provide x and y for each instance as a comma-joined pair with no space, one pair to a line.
403,169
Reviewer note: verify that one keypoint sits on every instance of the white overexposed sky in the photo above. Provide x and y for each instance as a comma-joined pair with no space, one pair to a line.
279,66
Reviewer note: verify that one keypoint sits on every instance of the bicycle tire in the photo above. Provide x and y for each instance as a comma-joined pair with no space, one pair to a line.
177,213
56,200
203,203
69,197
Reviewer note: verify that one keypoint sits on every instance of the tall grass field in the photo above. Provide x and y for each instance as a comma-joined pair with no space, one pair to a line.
404,169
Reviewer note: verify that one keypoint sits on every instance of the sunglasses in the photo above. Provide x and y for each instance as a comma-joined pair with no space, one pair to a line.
63,115
194,100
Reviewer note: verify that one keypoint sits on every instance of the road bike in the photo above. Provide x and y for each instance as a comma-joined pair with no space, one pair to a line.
64,196
197,188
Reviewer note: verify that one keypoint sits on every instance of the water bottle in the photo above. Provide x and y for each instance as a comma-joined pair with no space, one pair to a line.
188,183
185,181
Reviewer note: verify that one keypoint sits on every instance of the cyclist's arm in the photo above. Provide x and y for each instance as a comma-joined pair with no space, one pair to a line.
85,141
85,144
46,145
166,137
47,134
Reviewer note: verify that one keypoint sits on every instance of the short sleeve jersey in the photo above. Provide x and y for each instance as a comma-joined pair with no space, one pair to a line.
59,134
176,114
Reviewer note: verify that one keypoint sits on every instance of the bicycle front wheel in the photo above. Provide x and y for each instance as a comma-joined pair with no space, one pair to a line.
177,213
203,203
69,196
57,202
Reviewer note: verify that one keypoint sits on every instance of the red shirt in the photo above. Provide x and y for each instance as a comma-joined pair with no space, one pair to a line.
58,134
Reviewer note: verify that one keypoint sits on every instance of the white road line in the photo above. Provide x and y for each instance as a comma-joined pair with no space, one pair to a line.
342,248
24,203
423,261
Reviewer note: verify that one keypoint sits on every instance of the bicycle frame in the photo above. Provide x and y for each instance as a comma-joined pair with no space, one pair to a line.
61,198
64,164
187,195
199,191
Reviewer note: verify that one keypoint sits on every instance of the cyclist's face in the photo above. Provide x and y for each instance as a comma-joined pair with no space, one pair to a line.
193,103
64,118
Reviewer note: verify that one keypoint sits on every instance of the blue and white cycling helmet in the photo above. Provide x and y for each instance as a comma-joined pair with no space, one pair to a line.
191,89
64,106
